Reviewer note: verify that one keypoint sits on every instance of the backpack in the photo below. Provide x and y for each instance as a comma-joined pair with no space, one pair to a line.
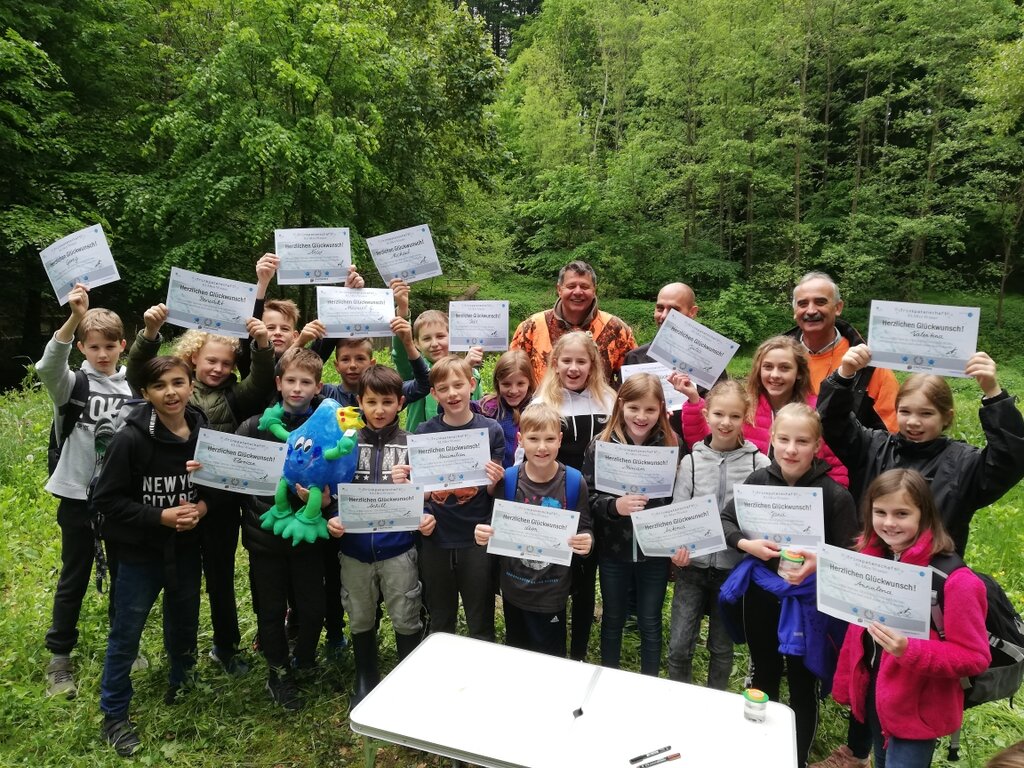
1005,635
66,418
572,485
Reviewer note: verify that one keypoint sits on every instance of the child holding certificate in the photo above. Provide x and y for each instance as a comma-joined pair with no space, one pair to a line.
376,566
778,376
513,389
576,384
807,653
716,463
963,478
534,594
638,418
908,691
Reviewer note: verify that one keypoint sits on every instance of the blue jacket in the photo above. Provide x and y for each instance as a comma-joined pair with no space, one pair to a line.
803,631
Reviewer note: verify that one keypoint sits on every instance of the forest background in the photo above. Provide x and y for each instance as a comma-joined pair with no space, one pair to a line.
733,144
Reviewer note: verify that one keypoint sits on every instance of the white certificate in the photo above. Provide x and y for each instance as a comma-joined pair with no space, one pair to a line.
407,253
355,312
82,257
372,507
673,400
312,255
453,459
532,532
922,337
786,515
861,589
693,525
686,346
649,470
240,464
210,303
478,324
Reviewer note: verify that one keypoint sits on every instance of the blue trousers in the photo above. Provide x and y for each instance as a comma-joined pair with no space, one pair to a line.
138,586
651,577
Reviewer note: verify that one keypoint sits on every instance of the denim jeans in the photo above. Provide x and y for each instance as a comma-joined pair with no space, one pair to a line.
651,584
695,594
897,753
138,585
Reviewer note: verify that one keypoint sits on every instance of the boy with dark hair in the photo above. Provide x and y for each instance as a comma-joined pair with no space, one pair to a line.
101,339
380,565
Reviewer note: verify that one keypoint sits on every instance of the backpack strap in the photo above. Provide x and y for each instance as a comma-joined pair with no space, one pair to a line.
68,415
511,481
572,486
942,565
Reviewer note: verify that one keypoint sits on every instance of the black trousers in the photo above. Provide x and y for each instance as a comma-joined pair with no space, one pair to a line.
218,541
297,574
584,588
77,552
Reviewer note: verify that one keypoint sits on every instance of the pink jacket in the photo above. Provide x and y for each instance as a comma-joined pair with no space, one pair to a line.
918,695
695,429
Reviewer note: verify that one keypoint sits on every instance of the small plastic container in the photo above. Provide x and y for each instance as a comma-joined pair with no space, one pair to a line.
755,705
789,563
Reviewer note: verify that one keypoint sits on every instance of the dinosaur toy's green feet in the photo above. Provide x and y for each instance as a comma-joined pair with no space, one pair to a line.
301,529
275,519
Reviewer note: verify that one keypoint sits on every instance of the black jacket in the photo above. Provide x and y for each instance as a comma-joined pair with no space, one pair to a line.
963,478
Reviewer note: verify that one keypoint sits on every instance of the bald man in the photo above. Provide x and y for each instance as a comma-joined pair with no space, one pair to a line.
677,296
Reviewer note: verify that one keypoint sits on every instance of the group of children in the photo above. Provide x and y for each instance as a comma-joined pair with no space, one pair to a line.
917,491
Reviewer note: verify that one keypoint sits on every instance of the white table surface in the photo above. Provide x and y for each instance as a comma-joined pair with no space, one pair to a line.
501,707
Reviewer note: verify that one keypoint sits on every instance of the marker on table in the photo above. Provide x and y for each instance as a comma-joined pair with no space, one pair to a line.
638,758
660,760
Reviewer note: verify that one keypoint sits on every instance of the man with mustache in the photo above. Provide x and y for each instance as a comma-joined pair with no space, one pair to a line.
817,307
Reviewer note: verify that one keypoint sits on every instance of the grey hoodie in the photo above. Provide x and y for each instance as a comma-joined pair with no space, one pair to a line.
106,396
706,471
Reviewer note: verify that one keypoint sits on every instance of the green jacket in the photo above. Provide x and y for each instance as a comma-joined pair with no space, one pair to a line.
250,395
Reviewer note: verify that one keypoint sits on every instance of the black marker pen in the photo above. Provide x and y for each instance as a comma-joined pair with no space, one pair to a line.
638,758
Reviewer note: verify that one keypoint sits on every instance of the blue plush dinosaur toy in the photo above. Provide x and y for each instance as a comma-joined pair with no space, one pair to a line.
320,452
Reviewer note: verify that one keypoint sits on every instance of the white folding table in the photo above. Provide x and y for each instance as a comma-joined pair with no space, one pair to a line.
501,707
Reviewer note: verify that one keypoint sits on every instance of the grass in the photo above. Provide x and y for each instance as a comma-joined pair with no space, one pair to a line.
231,722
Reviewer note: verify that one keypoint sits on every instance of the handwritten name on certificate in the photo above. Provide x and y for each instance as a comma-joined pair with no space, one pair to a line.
686,346
786,515
645,469
369,508
210,303
478,324
407,253
455,459
693,525
923,337
532,532
673,400
81,257
861,589
239,464
355,312
312,255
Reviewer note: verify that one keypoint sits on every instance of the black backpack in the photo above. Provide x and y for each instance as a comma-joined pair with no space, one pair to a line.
67,416
1005,635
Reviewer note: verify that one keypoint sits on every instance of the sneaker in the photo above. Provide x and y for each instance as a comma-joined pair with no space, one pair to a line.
283,690
60,678
232,663
140,663
120,734
842,757
336,648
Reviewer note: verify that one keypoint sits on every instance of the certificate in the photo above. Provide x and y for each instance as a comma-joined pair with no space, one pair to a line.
649,470
693,525
83,257
673,400
312,255
786,515
210,303
922,337
478,324
371,507
861,589
355,312
454,459
240,464
407,253
532,532
686,346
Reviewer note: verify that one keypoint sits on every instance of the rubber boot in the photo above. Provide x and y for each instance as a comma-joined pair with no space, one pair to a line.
405,644
364,649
